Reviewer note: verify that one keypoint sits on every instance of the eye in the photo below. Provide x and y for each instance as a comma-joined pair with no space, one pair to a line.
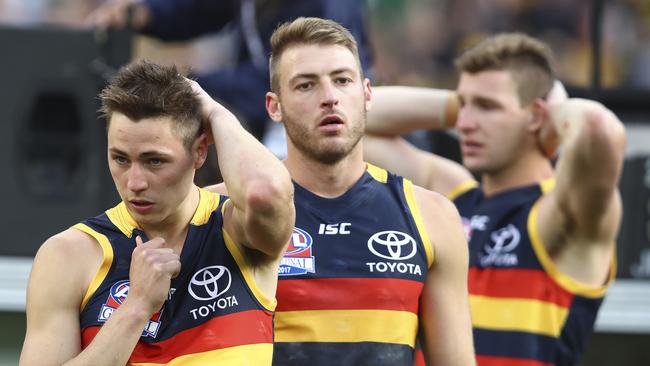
304,86
485,105
121,160
343,81
155,162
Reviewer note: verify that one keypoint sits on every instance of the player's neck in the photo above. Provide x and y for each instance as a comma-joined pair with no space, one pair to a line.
174,227
326,180
522,172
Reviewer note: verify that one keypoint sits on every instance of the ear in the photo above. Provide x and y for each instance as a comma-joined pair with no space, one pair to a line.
367,91
200,150
542,127
273,107
539,115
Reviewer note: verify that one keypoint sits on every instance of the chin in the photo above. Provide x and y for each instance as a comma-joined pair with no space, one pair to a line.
330,157
474,166
145,219
469,162
329,154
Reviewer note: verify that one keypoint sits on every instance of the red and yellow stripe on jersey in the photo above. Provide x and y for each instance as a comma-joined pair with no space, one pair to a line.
525,312
351,281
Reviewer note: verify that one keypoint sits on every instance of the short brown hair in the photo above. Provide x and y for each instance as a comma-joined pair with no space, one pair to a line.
144,89
308,31
526,58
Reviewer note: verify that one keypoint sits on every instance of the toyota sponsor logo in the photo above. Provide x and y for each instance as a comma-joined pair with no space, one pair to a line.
504,240
393,245
209,283
500,251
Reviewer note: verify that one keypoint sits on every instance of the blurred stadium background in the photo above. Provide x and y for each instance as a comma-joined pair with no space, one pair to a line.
52,144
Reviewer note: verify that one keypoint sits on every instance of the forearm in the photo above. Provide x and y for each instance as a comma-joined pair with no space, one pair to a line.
400,109
114,343
258,183
590,162
593,143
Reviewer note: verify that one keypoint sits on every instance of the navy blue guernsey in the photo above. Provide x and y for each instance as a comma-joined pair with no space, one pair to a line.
524,310
351,280
214,314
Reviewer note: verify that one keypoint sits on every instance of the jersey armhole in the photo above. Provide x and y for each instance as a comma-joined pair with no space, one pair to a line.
107,261
419,223
564,280
208,203
244,267
461,188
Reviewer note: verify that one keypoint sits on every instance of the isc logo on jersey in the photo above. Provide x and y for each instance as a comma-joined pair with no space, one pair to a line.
298,258
118,293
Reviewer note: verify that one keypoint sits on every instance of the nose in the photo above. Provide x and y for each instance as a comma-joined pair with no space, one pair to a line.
329,98
136,179
466,120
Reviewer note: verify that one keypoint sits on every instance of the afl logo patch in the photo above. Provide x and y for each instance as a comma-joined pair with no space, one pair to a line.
209,283
300,241
298,258
117,294
393,245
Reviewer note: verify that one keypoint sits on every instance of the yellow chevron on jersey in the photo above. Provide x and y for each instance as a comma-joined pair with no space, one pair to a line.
214,309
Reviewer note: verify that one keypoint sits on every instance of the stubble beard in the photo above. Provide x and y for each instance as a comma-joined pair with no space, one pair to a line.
301,138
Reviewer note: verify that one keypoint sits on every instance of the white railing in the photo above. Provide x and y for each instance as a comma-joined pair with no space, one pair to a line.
14,272
626,308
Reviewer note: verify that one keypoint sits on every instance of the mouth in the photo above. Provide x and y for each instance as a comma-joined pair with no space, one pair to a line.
470,147
331,123
141,206
331,119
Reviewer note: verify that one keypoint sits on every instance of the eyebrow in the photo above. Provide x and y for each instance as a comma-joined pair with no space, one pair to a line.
487,100
314,75
145,154
342,70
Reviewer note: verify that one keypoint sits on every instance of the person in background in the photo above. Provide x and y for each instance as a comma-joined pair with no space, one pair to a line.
243,86
541,236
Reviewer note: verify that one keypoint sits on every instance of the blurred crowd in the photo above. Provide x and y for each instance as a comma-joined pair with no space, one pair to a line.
437,30
415,41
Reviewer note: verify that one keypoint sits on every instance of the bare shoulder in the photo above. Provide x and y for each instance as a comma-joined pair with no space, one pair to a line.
435,206
71,255
443,226
71,243
218,188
